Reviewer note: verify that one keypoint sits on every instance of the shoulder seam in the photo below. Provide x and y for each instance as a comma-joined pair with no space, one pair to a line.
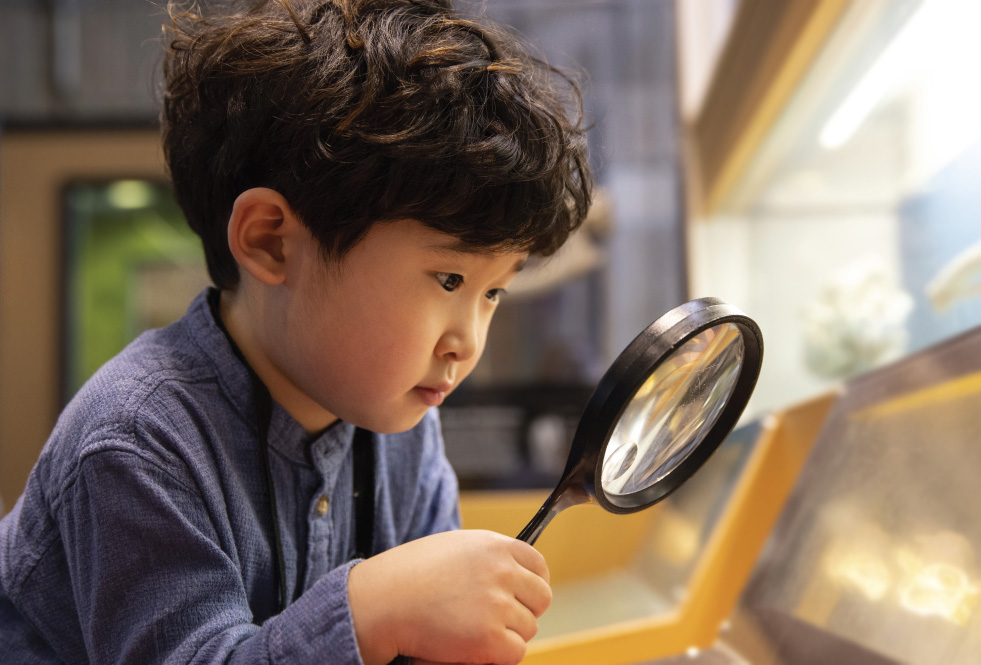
126,432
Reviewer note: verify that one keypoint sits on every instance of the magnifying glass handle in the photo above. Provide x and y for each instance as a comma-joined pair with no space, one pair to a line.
538,523
563,497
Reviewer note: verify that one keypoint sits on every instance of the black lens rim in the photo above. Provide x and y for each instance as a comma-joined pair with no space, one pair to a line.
629,372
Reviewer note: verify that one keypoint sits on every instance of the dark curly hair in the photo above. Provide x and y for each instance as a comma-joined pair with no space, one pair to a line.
363,111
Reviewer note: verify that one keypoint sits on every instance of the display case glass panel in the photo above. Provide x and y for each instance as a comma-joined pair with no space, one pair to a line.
853,235
876,557
880,544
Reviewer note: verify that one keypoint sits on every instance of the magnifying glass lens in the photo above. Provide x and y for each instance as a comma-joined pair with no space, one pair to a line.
673,410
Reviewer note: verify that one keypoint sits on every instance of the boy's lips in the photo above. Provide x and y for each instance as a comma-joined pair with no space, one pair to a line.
435,394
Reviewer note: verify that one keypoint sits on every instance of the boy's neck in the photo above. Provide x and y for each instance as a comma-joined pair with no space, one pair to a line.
238,314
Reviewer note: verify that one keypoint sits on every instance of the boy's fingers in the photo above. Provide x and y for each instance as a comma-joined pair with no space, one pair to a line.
512,649
524,623
530,558
534,593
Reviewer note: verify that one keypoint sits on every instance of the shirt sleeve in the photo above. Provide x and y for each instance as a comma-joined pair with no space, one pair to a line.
152,582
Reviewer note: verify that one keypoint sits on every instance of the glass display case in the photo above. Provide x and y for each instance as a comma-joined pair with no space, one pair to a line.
879,543
850,228
874,560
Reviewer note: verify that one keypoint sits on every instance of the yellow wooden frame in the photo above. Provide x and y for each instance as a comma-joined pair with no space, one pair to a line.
770,49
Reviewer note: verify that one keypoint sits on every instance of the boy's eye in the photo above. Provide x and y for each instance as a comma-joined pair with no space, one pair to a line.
449,280
495,294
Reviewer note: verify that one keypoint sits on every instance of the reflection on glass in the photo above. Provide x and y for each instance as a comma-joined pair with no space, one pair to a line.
940,589
884,572
673,410
859,570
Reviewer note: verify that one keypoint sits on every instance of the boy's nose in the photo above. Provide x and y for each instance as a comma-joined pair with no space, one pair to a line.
461,342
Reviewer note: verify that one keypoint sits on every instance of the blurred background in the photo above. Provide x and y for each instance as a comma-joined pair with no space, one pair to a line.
821,182
811,162
79,100
814,162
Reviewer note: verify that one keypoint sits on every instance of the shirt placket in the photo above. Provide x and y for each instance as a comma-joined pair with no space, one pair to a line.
328,512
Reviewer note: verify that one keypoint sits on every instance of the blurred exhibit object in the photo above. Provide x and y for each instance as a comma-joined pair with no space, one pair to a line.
958,279
856,321
130,264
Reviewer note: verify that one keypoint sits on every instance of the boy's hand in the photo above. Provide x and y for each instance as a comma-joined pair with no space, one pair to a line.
455,597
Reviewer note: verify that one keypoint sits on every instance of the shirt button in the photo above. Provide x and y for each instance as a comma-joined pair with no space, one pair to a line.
323,503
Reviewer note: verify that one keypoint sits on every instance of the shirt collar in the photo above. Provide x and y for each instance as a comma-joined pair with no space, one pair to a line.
285,435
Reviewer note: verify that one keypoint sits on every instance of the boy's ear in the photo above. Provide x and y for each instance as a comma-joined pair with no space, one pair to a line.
258,231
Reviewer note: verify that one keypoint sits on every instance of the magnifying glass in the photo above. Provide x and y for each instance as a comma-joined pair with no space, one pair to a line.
660,411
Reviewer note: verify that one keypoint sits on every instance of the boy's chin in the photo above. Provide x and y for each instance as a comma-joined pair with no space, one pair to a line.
391,423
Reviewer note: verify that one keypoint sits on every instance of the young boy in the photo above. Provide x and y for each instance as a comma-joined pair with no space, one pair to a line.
264,481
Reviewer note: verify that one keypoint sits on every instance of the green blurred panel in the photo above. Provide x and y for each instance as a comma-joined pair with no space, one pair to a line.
132,264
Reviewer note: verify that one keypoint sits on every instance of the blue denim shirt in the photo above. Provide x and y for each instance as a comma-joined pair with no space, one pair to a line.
144,534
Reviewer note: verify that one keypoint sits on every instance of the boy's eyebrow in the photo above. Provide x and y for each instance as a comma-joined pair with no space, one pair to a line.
457,246
450,246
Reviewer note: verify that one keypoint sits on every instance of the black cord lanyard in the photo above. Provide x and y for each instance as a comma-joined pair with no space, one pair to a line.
363,458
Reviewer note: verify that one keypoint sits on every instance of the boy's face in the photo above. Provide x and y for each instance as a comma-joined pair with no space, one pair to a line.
387,332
